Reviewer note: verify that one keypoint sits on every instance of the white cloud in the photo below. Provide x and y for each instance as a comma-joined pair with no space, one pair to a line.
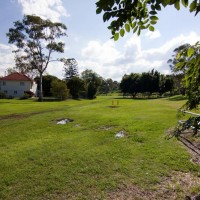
6,58
106,52
153,35
108,61
51,9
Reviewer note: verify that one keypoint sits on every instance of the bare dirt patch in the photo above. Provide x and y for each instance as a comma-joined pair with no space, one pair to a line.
178,186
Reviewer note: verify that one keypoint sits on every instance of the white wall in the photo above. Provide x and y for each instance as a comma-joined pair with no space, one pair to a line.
15,88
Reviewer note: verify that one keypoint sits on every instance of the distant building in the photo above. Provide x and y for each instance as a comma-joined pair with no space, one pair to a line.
15,84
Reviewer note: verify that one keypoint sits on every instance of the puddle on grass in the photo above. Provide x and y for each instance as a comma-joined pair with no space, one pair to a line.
64,121
120,134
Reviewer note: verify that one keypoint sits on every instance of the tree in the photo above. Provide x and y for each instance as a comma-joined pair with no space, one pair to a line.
92,82
46,84
137,14
59,89
188,60
36,40
75,85
131,84
71,69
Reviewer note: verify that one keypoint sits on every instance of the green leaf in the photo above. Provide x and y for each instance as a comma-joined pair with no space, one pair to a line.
153,22
133,25
177,5
144,22
193,6
98,10
179,65
178,55
135,29
151,28
158,7
116,36
154,18
185,3
153,12
122,32
165,2
127,27
190,52
139,30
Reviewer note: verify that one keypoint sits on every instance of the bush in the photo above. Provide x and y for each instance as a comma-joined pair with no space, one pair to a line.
59,89
2,95
29,93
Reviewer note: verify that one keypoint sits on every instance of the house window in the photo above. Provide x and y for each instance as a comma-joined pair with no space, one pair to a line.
5,91
22,83
4,83
15,92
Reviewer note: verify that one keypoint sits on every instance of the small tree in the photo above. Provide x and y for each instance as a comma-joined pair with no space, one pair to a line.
59,89
36,41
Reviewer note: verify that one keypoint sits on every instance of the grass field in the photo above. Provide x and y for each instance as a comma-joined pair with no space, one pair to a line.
83,159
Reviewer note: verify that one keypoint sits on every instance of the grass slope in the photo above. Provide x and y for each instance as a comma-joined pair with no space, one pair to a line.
83,160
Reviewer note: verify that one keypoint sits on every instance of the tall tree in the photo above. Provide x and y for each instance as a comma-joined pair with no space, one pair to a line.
36,40
137,14
71,68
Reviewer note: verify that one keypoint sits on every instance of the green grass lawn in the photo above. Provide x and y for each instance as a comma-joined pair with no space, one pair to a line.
82,159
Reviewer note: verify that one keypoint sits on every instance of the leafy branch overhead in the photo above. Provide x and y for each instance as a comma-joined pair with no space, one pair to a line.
137,15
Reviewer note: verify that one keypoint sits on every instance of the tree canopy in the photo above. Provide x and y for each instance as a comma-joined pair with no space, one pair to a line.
187,60
138,14
36,40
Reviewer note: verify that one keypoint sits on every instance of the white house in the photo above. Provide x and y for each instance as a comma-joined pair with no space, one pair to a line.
15,84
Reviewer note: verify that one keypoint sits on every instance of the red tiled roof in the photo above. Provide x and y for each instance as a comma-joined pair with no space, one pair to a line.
16,77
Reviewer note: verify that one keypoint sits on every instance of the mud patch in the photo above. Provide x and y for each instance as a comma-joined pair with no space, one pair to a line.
121,134
106,128
64,121
177,186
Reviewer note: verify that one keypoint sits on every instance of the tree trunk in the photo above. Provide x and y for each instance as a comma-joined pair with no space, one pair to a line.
41,93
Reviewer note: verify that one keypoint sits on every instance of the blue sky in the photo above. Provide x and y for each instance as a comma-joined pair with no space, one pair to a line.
89,40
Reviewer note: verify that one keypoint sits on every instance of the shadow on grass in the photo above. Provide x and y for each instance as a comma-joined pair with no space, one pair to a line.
137,98
177,98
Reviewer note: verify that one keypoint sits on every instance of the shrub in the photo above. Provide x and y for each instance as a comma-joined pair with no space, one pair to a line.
2,95
59,89
29,93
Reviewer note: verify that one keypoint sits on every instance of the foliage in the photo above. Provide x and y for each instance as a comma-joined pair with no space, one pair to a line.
147,82
29,93
191,123
76,86
46,84
59,89
108,85
36,40
92,82
71,69
137,15
187,62
2,95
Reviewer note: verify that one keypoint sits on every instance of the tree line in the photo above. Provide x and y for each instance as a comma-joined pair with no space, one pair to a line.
146,83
